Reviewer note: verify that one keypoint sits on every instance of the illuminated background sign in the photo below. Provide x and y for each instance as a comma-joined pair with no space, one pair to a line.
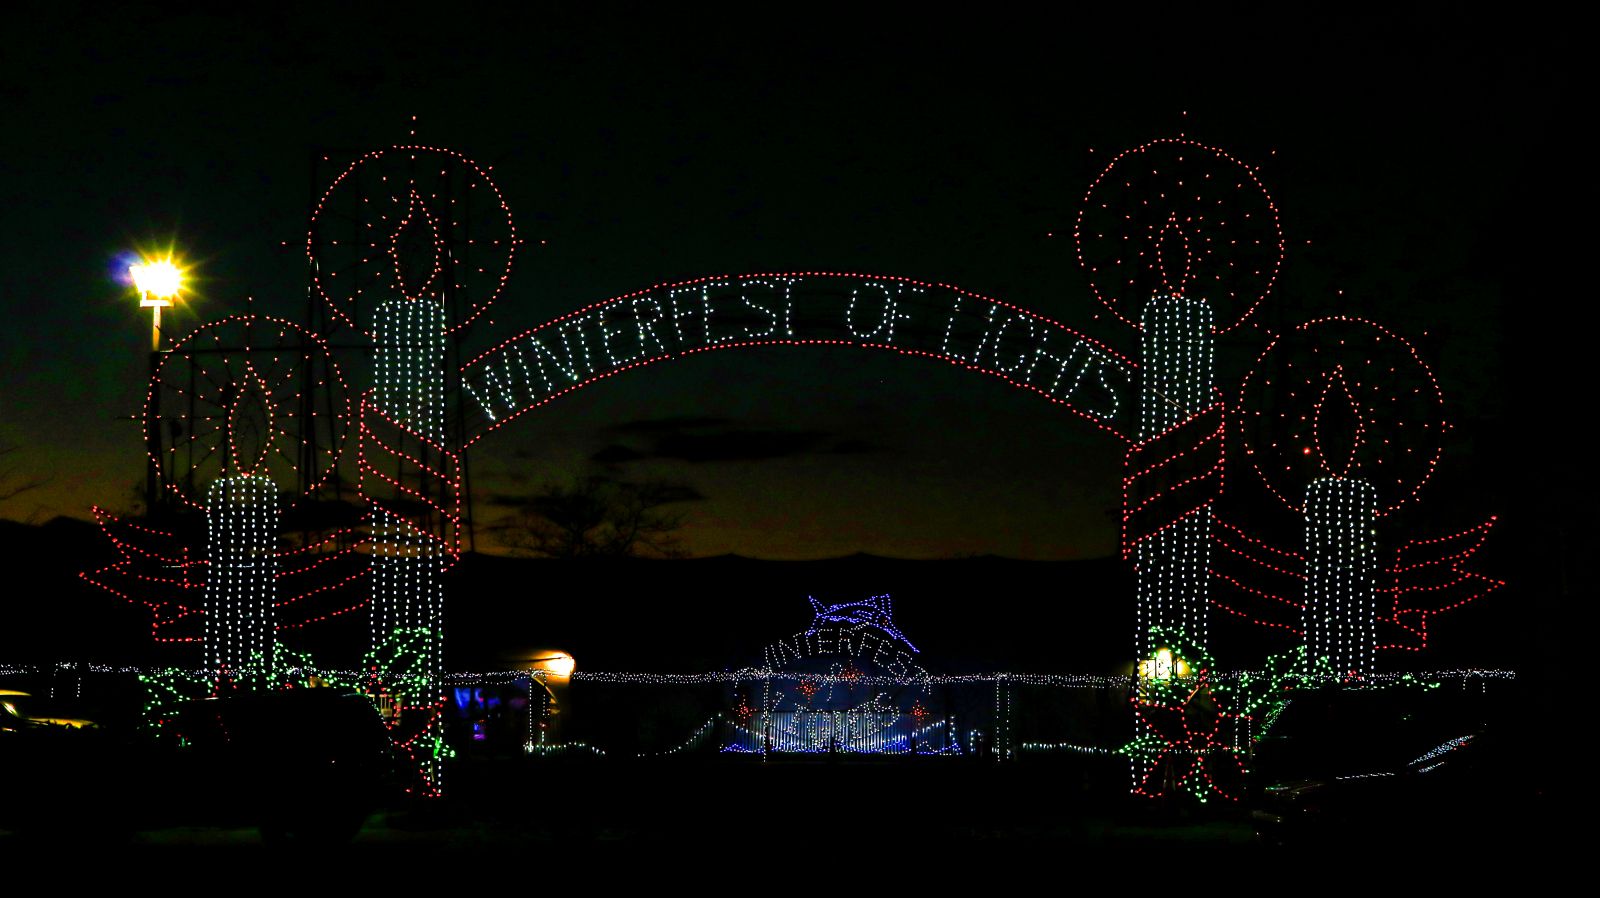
827,309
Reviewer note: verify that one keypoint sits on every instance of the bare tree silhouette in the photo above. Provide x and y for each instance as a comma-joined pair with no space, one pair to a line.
598,517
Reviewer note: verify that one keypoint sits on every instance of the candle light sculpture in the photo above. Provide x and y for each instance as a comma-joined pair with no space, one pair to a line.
241,539
412,244
232,434
1344,422
408,558
1172,563
411,484
419,238
226,400
411,221
1188,232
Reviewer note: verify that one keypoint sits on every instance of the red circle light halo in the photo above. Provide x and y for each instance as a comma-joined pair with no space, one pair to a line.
238,361
1171,197
406,224
1392,395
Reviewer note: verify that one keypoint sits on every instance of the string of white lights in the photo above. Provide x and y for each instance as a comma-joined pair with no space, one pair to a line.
407,561
241,535
753,675
1173,564
873,729
1065,747
808,308
693,741
1340,613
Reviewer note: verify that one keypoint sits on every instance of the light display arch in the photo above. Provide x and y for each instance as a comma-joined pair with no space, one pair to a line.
410,245
913,318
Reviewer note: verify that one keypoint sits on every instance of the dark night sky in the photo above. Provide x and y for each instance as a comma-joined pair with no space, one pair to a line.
1422,164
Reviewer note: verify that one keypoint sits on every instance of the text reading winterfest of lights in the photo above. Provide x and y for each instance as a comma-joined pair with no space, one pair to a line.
759,310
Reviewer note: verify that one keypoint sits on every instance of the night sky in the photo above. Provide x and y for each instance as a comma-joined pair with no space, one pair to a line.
1425,169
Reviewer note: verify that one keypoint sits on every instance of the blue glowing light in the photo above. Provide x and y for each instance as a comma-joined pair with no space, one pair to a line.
876,611
119,268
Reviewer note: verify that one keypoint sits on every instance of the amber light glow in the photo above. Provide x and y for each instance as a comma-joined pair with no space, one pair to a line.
556,665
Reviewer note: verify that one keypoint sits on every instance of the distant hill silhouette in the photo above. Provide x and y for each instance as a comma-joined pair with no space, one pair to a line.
981,613
686,614
966,615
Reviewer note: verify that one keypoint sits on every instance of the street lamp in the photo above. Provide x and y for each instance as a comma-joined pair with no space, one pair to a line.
158,282
557,667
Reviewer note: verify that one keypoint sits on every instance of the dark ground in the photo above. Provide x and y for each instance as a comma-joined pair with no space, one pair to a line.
493,807
820,807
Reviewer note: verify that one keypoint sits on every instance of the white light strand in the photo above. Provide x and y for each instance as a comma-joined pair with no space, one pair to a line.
407,561
241,535
750,675
756,675
813,308
1065,747
872,729
1173,564
1340,615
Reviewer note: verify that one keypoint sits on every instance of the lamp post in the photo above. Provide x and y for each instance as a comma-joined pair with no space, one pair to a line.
158,282
557,667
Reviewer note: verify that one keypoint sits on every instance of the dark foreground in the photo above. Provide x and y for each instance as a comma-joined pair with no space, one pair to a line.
493,807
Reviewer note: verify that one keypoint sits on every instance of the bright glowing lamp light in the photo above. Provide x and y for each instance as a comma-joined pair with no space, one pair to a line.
158,282
557,665
1164,666
159,279
1163,663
